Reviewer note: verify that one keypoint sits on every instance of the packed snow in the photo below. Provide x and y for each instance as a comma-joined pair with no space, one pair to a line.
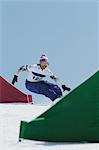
10,117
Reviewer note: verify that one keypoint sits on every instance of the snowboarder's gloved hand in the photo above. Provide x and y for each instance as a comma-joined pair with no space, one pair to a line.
65,88
15,79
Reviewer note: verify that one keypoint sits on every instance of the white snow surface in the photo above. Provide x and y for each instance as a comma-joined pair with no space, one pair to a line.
10,116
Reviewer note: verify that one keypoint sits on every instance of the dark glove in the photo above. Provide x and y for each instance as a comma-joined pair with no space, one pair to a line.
65,88
15,79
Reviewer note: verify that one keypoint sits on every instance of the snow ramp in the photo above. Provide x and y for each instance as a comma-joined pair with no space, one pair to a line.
74,118
8,93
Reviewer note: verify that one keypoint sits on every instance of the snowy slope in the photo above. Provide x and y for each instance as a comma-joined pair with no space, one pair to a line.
10,116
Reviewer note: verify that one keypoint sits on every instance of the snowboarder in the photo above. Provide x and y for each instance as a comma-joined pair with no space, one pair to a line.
35,81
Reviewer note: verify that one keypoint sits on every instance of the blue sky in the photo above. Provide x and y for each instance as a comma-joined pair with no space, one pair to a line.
67,31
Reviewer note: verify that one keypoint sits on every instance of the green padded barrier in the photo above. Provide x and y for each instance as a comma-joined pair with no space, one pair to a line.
74,118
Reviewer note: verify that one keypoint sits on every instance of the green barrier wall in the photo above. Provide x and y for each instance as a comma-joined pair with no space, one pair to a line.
74,118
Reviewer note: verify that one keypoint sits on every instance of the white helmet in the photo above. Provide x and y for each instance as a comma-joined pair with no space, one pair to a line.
43,58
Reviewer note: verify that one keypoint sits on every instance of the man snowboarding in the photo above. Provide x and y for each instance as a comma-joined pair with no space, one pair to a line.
35,81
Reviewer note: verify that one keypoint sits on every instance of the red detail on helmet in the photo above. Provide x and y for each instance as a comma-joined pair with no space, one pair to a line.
43,58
